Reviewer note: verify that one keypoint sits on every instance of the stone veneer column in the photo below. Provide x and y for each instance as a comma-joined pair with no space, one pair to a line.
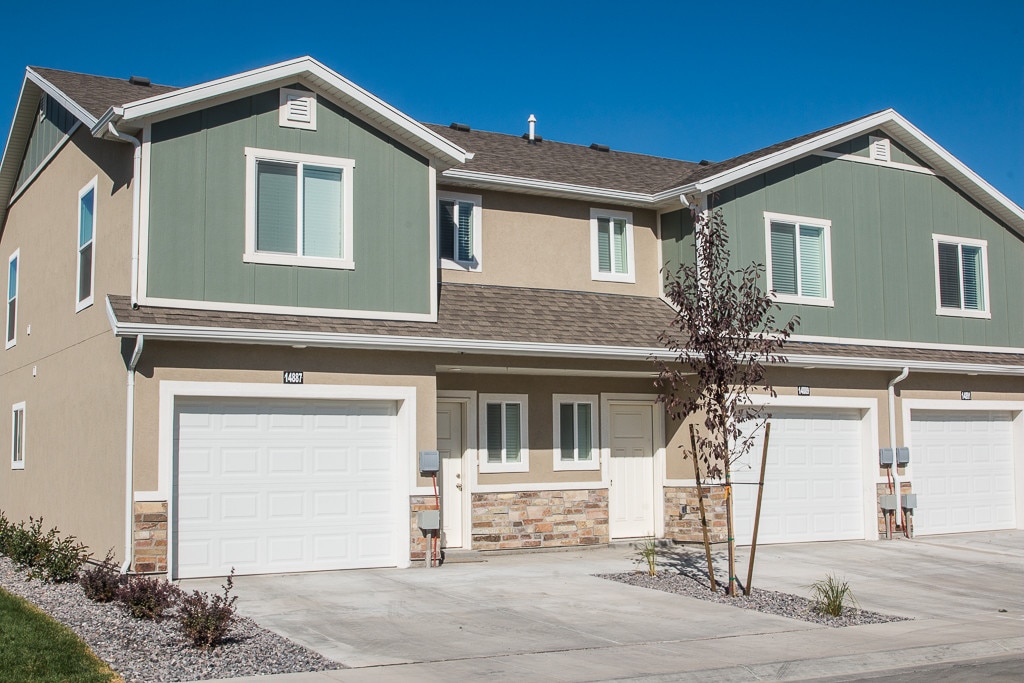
150,537
686,528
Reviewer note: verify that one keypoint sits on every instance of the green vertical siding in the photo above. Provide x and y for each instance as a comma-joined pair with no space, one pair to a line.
677,242
883,269
197,212
46,134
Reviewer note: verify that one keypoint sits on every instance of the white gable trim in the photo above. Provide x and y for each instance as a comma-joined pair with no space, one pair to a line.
361,102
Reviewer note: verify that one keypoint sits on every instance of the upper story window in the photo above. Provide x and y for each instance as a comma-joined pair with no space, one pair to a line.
298,209
575,433
18,436
504,421
961,272
799,259
611,246
12,299
86,244
459,230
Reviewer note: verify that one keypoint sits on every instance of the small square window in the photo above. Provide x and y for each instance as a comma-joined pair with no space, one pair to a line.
961,276
459,233
611,246
503,420
12,299
575,433
298,209
799,256
18,436
86,245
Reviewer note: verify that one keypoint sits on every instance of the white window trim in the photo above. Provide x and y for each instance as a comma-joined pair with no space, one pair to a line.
961,312
282,115
252,155
826,224
524,428
476,264
20,465
595,447
80,303
9,324
595,271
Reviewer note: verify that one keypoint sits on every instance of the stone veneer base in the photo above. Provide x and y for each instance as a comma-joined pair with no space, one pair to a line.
539,519
149,537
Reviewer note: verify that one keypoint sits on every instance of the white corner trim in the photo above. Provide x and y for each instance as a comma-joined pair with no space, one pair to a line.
595,271
523,465
594,463
404,396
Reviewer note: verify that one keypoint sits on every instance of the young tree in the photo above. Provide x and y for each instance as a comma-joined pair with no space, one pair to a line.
723,335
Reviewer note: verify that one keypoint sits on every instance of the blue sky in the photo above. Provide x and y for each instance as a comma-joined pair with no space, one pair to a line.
681,79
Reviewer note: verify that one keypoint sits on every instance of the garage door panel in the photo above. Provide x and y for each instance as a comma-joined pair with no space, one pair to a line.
813,482
962,464
277,485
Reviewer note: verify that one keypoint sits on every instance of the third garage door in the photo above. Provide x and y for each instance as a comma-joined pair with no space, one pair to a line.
814,479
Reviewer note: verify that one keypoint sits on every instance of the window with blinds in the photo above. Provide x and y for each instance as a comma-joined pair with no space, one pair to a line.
458,230
299,209
798,256
960,275
18,436
504,432
575,426
612,246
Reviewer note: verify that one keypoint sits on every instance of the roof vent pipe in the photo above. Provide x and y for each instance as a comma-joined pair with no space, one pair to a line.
533,128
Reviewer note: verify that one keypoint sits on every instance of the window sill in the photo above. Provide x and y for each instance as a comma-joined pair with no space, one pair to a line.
804,300
304,261
18,465
628,278
961,313
577,465
499,467
465,266
10,344
82,305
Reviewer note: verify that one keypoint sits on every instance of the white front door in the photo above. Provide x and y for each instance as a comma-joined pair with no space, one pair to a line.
813,488
271,485
962,471
631,500
453,488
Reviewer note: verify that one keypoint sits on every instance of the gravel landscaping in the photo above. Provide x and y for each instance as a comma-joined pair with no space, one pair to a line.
685,578
144,651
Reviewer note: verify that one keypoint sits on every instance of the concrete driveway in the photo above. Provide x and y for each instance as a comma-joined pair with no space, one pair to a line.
544,616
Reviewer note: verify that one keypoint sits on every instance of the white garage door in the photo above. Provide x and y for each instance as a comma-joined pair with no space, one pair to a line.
813,481
962,470
280,486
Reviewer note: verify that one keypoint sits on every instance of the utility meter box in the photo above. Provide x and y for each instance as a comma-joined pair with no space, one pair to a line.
885,457
887,502
430,462
909,501
902,456
428,520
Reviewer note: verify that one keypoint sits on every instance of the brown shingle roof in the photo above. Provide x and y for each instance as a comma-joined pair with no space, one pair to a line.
522,315
96,94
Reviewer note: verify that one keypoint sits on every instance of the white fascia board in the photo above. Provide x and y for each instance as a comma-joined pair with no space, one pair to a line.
330,80
76,109
547,187
854,363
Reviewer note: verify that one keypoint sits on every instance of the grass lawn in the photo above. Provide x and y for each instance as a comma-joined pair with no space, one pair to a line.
36,649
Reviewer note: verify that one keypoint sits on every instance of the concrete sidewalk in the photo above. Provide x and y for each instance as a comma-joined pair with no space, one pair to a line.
544,617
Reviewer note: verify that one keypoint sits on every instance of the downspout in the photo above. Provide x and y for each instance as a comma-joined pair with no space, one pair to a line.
894,470
136,195
129,460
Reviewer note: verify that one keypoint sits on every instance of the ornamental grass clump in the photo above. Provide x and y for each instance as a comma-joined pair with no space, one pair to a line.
205,619
145,597
649,555
830,595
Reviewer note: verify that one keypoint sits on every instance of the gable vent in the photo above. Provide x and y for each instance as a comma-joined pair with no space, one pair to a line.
880,149
297,109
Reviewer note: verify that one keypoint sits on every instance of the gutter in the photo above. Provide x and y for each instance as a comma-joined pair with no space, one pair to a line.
136,199
129,459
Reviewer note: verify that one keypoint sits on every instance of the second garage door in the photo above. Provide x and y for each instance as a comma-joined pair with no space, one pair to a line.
270,486
813,482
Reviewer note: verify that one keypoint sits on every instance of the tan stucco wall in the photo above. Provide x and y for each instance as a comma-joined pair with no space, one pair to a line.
544,242
184,362
75,403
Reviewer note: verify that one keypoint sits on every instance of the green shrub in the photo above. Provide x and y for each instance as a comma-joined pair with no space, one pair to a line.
830,595
44,553
101,582
205,619
145,597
